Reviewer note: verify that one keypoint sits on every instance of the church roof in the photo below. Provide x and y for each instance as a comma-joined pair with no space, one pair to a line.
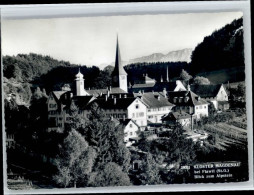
206,90
119,70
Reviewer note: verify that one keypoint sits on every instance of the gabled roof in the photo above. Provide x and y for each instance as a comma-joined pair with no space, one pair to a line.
125,122
176,116
154,100
58,94
82,101
188,98
206,90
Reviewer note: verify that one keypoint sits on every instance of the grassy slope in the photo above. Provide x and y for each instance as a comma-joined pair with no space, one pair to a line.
235,74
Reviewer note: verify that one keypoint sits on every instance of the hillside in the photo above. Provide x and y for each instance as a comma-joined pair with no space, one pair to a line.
234,74
223,49
183,55
27,67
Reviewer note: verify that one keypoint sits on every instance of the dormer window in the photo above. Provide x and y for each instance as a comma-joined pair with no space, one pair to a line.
186,99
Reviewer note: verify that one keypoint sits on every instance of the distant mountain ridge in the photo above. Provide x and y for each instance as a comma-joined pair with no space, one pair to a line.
183,55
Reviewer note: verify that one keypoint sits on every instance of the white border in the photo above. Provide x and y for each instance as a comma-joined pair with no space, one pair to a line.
106,9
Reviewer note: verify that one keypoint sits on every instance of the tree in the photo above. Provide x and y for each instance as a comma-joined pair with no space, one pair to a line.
240,90
185,75
149,171
102,134
75,160
199,80
109,174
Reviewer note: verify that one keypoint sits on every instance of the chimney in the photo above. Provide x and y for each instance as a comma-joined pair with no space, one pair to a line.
108,93
71,95
188,87
143,91
114,101
110,88
125,96
106,97
123,117
153,91
119,95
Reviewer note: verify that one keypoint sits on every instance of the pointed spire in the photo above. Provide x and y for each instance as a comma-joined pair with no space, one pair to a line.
118,63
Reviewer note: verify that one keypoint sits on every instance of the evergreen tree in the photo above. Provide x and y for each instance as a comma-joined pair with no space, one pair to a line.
109,174
75,161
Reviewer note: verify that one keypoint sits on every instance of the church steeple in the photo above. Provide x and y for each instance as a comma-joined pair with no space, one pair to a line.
119,74
80,84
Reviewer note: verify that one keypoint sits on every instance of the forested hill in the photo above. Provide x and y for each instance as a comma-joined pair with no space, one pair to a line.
223,49
27,67
25,74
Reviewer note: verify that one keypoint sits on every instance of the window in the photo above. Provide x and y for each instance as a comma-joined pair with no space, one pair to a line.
149,110
150,116
141,114
130,125
133,115
204,106
137,106
197,107
130,133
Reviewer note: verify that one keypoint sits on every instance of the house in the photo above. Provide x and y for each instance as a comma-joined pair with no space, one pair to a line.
125,107
189,102
131,130
216,94
157,105
174,118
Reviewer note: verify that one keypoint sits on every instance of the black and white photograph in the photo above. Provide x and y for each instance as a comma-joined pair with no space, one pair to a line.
125,100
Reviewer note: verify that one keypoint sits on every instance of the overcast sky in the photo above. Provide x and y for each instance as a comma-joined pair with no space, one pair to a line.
92,40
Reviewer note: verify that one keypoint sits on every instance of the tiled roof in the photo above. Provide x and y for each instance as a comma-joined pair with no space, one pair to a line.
206,90
176,116
98,92
154,100
115,103
185,98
